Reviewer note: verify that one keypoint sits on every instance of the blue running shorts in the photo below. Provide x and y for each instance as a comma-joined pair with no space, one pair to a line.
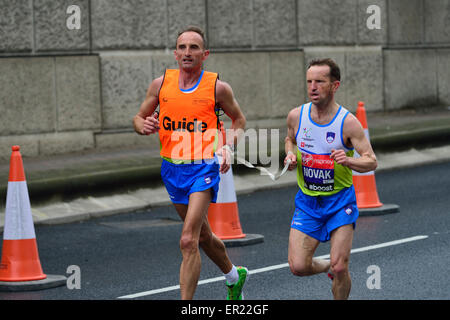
183,179
319,216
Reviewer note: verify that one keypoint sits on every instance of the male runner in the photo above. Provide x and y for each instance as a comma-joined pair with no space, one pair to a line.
320,143
188,98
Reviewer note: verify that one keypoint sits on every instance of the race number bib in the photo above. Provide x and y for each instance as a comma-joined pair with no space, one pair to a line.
318,172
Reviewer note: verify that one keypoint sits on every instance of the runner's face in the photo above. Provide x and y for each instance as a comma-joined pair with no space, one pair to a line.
190,52
320,87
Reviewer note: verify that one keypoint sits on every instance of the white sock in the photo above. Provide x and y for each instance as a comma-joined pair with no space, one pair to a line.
232,277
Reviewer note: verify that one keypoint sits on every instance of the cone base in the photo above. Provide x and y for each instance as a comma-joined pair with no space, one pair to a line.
378,211
51,281
249,239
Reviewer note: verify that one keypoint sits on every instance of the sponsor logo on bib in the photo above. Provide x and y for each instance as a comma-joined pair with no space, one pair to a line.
318,172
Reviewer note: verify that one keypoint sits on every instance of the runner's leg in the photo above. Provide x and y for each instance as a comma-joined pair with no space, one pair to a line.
189,241
341,244
300,255
213,247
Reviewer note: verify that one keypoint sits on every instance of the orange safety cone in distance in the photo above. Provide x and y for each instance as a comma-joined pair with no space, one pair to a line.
365,184
223,216
20,258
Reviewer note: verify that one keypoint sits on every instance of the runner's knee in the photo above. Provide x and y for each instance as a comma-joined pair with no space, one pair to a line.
339,266
188,244
300,268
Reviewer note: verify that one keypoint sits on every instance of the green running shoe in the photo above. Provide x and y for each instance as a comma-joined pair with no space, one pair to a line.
235,290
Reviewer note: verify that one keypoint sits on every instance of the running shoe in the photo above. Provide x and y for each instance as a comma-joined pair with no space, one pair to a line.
235,290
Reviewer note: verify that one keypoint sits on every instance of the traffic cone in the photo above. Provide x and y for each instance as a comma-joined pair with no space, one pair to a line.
223,216
364,183
20,259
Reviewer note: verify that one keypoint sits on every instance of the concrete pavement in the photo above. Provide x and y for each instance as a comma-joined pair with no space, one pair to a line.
66,188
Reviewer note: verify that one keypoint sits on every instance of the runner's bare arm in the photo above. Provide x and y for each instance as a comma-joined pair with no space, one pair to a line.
353,133
144,121
226,101
290,144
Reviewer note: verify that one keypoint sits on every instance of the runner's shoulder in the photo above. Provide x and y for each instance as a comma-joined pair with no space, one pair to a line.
352,124
293,116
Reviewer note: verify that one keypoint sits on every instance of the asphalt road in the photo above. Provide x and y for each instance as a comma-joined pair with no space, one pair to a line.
135,253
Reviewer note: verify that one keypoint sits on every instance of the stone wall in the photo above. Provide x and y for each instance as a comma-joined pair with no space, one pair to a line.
73,73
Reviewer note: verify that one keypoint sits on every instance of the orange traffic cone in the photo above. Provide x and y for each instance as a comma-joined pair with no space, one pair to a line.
20,259
365,184
223,216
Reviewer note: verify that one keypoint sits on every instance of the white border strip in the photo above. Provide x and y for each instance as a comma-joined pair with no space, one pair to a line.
275,267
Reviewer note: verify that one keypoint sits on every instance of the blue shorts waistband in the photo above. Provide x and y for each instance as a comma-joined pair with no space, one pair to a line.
318,206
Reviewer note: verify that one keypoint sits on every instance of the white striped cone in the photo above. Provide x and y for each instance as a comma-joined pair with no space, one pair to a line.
227,192
20,258
223,216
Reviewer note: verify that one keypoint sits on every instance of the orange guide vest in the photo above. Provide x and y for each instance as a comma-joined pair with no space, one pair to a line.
188,122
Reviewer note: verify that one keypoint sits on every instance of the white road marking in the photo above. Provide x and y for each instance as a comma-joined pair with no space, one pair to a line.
275,267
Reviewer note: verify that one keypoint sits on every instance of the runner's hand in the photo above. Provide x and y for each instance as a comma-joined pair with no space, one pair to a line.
293,158
340,157
151,124
225,162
